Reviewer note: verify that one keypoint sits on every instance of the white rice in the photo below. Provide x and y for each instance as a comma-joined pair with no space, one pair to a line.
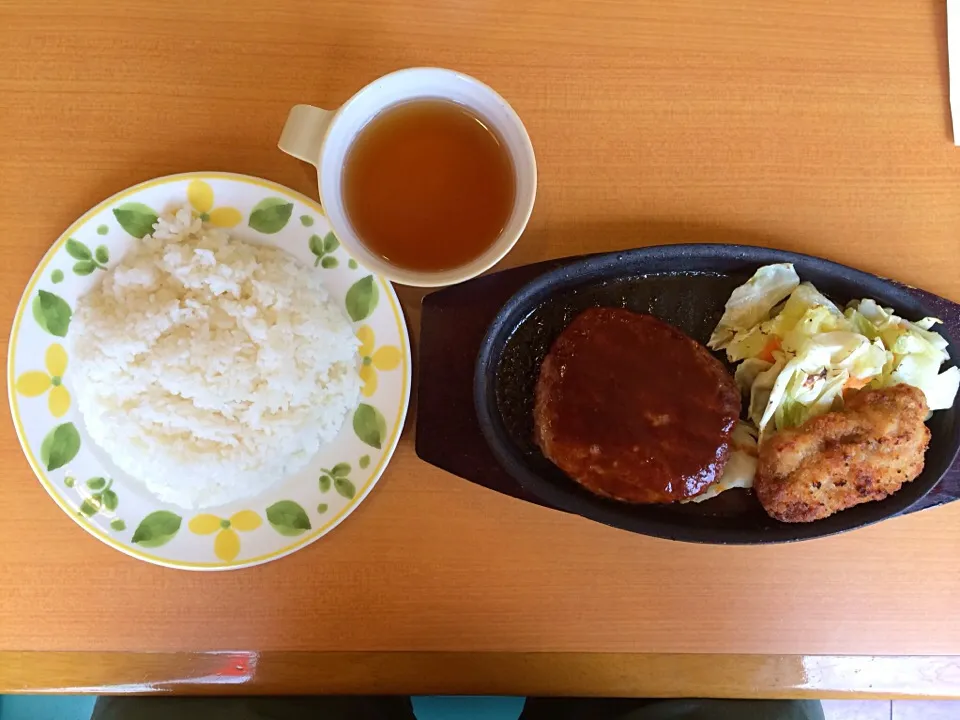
209,368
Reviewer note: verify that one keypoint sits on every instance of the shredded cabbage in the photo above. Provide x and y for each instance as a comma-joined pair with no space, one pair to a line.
741,467
752,302
748,371
798,353
798,357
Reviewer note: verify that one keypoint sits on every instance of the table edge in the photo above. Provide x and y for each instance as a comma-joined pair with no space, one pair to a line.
484,673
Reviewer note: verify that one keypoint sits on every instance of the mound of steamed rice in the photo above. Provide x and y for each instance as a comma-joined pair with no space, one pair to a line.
209,368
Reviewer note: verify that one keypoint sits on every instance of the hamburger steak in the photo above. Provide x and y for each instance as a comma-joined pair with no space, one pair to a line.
633,409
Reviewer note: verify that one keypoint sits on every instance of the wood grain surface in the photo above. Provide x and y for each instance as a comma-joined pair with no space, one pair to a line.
821,127
503,673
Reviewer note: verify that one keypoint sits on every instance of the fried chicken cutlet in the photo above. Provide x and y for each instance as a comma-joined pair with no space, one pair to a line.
632,409
832,462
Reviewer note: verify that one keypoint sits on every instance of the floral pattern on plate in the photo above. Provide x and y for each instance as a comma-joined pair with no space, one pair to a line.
283,518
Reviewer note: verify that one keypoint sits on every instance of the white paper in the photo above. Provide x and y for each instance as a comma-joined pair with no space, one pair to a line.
953,64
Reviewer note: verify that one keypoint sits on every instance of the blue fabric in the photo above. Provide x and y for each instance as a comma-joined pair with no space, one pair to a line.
467,708
46,707
79,707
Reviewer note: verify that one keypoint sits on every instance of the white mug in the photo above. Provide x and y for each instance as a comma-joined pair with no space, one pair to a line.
323,137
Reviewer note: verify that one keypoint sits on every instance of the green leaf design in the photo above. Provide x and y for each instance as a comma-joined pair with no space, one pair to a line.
52,313
322,508
306,220
362,298
325,482
352,264
369,425
288,518
329,262
340,470
345,487
84,267
57,276
330,242
270,215
102,229
89,507
102,254
118,525
110,500
157,528
78,250
97,483
69,481
316,247
364,462
60,446
136,218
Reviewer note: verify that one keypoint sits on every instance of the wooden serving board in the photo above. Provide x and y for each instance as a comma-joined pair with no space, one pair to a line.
453,324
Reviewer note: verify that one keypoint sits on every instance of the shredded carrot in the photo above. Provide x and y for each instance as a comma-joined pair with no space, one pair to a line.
853,384
767,352
856,383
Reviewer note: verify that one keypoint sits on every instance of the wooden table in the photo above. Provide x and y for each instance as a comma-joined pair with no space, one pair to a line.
820,126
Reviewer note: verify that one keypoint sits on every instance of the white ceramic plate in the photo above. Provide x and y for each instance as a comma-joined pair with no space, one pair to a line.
117,509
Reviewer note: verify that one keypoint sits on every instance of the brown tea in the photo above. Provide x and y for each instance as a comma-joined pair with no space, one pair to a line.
428,185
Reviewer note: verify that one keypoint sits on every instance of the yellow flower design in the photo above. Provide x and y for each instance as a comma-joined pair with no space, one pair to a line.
384,358
35,382
200,195
226,545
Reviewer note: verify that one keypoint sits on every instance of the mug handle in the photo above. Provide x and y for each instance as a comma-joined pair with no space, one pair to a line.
303,132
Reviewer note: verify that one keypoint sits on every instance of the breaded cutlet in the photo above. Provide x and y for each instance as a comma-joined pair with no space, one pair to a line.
832,462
